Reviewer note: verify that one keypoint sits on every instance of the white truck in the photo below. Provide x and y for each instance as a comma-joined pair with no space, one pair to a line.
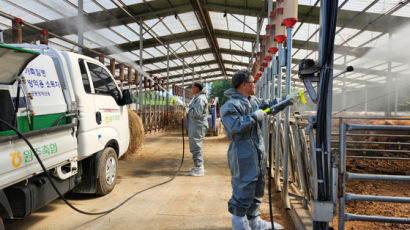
73,113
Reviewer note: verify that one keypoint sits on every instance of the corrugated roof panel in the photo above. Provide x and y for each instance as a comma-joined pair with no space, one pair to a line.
218,20
190,21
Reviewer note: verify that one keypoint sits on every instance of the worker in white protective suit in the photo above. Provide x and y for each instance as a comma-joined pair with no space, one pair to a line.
197,113
242,117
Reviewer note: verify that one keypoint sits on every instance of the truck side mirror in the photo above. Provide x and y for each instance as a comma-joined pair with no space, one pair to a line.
126,97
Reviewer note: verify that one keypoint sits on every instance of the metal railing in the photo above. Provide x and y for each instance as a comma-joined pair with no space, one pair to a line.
345,176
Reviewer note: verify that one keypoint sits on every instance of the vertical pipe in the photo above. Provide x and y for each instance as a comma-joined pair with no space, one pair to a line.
101,58
80,34
286,121
17,33
142,111
44,37
129,77
389,80
183,79
167,76
255,50
278,124
365,98
112,67
344,85
149,104
168,81
1,36
137,83
121,76
342,171
273,74
396,96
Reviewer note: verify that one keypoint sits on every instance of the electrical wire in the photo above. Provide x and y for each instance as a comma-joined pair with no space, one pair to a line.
117,206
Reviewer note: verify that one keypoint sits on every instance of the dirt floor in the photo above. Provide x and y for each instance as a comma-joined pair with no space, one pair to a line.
184,203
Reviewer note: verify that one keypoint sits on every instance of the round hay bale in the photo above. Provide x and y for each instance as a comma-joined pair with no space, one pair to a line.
136,134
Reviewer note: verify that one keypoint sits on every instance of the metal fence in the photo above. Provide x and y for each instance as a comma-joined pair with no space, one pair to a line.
345,176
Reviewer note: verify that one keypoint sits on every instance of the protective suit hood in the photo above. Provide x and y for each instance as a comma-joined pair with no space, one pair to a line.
232,93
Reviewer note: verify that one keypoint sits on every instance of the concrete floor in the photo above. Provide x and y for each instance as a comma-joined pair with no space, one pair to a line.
184,203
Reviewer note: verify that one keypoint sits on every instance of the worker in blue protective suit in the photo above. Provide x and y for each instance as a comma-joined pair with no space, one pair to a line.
197,113
241,116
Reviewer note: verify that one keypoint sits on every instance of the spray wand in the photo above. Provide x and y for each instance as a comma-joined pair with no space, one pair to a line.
289,100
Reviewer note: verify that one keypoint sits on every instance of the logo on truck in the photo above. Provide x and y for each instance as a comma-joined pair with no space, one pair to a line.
47,149
16,159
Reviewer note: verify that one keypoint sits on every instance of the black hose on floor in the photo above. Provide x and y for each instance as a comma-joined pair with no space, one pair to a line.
109,210
270,181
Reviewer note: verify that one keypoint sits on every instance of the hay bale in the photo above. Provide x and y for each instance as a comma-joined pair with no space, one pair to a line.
136,134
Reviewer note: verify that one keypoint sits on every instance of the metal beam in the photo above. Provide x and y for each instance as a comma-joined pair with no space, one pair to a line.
207,78
198,72
196,34
205,21
152,42
199,64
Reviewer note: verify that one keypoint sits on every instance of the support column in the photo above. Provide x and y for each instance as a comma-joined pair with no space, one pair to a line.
141,80
129,77
366,98
344,86
44,37
101,58
183,79
389,81
17,33
80,34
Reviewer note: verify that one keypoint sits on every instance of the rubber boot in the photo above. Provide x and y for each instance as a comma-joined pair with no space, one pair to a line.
240,223
258,224
196,171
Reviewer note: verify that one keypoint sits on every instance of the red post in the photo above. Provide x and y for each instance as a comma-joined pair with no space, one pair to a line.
17,33
112,66
44,37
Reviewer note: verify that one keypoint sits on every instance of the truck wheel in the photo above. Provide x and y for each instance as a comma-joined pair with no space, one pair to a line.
107,170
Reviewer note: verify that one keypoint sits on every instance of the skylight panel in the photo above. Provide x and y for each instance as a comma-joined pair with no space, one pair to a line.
223,43
218,21
17,12
190,45
106,3
174,25
252,23
124,31
190,21
62,7
357,5
153,52
235,24
107,34
209,57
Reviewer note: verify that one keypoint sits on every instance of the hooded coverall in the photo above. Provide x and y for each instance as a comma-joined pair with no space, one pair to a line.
197,126
246,153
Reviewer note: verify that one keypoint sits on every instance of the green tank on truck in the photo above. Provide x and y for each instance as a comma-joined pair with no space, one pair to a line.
74,114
